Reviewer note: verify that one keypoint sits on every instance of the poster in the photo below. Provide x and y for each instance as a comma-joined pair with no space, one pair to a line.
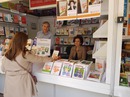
78,9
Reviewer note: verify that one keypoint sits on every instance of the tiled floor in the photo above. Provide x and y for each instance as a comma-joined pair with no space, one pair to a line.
1,95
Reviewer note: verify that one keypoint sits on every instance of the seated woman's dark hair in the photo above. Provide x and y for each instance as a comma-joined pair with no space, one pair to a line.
80,38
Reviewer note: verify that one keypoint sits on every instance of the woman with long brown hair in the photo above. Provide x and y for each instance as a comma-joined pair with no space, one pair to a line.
18,82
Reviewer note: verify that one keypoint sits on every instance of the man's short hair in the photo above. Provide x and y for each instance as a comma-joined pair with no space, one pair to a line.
46,22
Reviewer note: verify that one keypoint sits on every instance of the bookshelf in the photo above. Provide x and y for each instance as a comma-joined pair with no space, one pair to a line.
121,91
12,21
65,34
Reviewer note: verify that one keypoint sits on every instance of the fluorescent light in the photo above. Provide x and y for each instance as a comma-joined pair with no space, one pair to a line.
1,1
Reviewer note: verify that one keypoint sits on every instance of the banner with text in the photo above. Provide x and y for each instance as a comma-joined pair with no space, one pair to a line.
42,4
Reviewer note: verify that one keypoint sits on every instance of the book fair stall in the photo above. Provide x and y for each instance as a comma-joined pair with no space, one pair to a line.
104,72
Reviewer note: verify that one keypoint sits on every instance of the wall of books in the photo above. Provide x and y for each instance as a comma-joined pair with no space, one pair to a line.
11,23
68,29
122,74
77,9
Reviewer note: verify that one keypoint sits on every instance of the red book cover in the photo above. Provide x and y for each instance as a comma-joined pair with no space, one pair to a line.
23,20
16,18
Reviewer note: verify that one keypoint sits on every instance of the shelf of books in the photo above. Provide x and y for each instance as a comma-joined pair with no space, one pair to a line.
122,72
12,21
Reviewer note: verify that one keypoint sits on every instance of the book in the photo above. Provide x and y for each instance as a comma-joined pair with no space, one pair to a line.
78,71
94,76
56,68
2,32
74,61
84,6
85,62
67,69
55,53
87,68
47,67
62,8
29,44
71,9
43,47
8,17
16,18
123,79
100,64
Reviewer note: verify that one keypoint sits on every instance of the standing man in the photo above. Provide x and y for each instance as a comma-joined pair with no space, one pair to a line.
46,34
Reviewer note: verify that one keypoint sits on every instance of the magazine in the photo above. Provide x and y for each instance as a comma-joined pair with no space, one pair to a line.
47,67
56,68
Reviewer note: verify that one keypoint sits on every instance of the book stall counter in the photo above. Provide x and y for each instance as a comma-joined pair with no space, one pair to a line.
86,85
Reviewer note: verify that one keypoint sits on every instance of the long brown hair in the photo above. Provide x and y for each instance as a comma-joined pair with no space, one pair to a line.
17,46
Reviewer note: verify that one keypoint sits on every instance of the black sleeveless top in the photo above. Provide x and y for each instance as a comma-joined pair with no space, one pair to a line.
76,57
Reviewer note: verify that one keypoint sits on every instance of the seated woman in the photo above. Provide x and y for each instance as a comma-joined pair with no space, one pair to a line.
78,52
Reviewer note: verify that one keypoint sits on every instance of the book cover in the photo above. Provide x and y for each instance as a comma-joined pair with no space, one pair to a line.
8,18
55,53
57,40
29,44
67,69
87,68
47,67
62,8
56,68
2,30
100,64
123,79
94,76
78,71
71,7
84,6
43,47
16,18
